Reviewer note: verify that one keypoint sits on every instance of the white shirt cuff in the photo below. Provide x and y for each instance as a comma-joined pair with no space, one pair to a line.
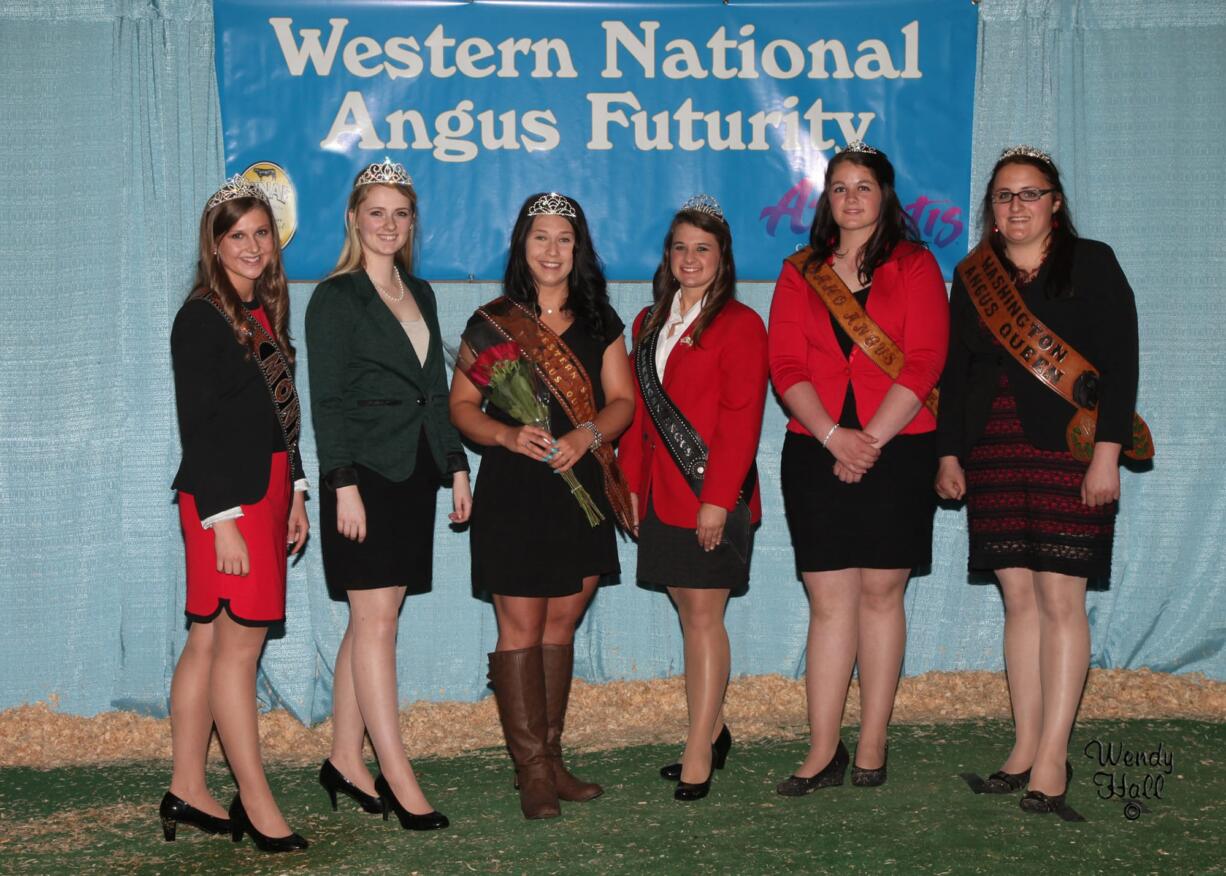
301,485
229,514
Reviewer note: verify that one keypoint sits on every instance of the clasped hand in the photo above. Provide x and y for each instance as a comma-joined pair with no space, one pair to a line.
854,451
560,454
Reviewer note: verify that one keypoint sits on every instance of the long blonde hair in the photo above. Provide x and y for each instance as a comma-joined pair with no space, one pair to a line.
271,288
350,258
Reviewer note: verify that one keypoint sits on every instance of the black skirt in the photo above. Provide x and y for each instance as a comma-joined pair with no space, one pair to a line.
670,556
882,522
399,546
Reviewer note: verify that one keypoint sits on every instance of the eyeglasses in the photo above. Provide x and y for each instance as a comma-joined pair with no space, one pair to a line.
1004,196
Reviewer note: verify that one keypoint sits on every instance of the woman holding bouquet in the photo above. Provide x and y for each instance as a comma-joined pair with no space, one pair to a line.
701,370
540,544
378,401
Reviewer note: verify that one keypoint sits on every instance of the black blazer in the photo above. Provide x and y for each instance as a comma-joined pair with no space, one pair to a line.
1099,320
371,398
227,423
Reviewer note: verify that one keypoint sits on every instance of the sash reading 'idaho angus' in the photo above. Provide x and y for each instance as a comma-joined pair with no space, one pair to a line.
860,327
1042,352
568,382
274,368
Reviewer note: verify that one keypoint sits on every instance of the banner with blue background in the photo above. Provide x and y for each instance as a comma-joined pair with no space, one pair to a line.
629,107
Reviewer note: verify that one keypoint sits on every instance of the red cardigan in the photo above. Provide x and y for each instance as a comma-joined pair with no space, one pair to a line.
719,384
910,304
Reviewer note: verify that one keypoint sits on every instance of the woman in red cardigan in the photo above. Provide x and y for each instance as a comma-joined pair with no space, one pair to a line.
700,366
860,455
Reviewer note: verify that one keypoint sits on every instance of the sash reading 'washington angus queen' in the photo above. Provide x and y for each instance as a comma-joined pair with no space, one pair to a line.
1042,353
568,382
683,442
278,377
860,327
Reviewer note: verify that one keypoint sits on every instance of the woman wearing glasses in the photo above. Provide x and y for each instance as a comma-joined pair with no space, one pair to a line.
1039,518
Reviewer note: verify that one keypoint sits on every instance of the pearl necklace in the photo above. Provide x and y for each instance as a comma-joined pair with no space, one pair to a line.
399,283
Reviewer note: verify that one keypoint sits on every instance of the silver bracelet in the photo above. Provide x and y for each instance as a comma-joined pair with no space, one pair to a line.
833,429
597,437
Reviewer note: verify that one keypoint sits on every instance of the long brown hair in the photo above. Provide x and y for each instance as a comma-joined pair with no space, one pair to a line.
1061,241
271,289
723,286
351,258
894,224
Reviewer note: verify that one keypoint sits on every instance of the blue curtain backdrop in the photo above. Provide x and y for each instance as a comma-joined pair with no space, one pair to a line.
112,143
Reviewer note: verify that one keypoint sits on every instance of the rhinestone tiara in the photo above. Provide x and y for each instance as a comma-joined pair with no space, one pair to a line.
704,203
388,172
237,186
552,204
1027,151
859,146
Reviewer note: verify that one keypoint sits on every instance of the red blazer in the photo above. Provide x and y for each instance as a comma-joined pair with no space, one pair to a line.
719,384
908,301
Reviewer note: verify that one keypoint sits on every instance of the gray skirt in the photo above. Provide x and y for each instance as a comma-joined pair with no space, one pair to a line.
669,556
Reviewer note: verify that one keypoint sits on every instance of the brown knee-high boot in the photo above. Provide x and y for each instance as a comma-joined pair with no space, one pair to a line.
559,663
519,690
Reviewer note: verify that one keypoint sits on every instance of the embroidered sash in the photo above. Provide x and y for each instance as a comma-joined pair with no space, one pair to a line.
685,445
1042,353
860,327
568,382
278,377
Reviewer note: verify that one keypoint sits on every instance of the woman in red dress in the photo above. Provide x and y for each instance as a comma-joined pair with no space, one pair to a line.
704,352
241,501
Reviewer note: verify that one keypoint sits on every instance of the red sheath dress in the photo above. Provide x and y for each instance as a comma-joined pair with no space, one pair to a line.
258,599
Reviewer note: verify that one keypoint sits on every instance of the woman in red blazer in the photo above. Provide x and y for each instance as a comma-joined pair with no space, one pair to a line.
860,452
706,352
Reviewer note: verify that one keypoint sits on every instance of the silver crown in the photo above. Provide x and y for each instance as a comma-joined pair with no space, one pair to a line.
859,146
387,172
237,186
1027,151
552,204
705,203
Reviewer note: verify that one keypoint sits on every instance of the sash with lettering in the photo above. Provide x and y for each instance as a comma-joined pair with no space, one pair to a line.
684,444
1042,352
568,382
278,377
860,327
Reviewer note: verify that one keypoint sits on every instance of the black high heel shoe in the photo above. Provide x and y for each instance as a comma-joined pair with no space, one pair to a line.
862,778
831,775
240,824
175,811
334,780
1038,803
432,820
719,756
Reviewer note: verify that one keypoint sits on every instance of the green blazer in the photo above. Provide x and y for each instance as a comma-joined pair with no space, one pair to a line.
371,398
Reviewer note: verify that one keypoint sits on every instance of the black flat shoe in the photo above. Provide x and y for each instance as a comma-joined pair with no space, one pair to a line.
240,824
432,820
175,811
334,780
1001,782
719,756
1038,803
863,778
831,775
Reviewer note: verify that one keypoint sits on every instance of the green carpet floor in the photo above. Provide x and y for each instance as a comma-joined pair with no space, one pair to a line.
925,820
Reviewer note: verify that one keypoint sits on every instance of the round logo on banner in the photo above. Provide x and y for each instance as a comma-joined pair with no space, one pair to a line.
276,185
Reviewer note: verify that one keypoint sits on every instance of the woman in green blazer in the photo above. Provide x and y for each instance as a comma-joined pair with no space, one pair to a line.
379,405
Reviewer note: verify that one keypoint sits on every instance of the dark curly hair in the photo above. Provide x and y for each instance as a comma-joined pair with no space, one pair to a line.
1061,242
894,225
723,287
588,294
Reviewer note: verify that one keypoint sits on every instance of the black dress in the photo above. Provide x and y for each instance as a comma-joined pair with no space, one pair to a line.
882,522
529,537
